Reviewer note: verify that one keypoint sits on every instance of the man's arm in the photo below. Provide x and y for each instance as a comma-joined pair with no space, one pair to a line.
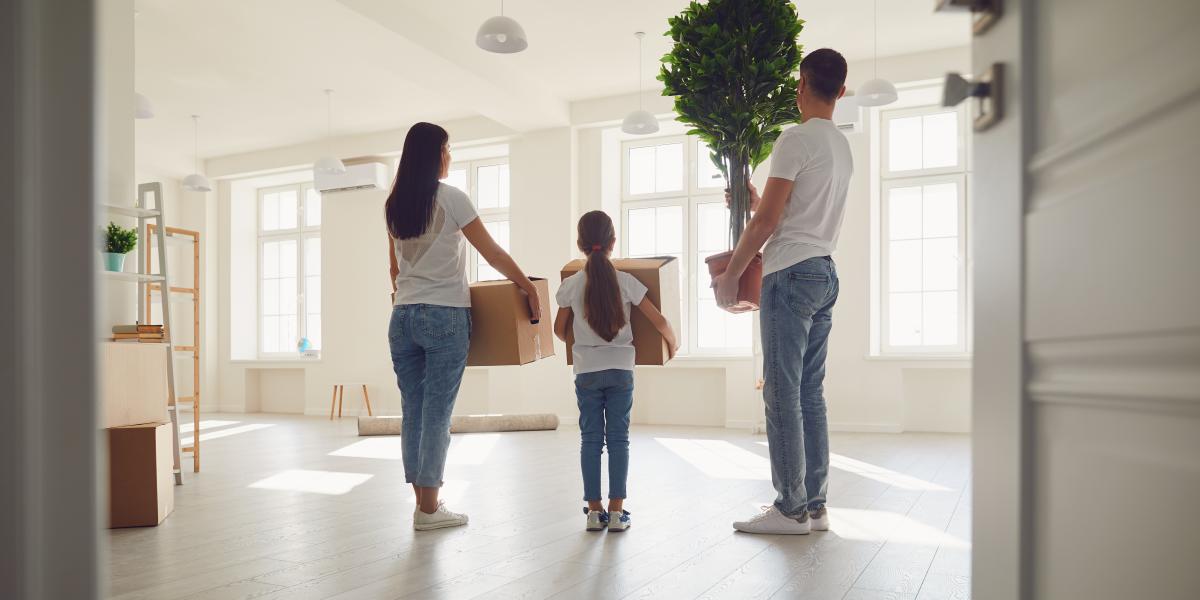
764,222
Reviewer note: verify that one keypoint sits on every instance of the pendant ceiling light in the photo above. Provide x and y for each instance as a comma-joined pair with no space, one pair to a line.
876,92
196,182
329,165
501,35
639,122
142,109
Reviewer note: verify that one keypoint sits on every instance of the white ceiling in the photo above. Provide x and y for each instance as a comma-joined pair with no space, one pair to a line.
254,70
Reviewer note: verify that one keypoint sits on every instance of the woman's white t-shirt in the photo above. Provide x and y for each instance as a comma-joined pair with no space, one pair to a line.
433,267
590,352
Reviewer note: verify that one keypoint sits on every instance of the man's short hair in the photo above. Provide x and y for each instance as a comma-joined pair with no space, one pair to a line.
825,72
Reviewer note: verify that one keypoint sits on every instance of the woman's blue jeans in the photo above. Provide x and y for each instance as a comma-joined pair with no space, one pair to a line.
605,400
429,352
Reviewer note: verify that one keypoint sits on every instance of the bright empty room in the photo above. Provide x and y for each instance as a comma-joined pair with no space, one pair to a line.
732,299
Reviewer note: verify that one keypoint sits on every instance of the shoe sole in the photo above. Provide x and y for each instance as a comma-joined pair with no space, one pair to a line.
596,528
442,525
618,530
772,532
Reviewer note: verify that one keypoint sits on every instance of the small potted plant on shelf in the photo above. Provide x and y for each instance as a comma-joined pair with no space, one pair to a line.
731,71
118,242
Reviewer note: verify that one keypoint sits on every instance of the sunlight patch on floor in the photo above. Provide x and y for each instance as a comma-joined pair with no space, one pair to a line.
212,435
385,447
471,448
883,475
719,458
187,427
332,483
878,526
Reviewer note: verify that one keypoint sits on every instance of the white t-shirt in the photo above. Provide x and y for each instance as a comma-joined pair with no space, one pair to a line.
433,267
590,352
816,156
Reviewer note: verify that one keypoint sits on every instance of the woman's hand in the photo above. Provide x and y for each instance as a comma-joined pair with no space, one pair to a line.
535,306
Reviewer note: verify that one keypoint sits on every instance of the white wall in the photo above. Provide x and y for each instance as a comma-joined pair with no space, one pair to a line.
556,175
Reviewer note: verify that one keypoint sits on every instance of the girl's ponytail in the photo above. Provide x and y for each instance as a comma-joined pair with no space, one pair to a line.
602,306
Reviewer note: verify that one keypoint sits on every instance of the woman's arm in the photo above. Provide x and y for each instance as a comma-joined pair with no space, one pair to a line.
562,321
660,323
395,268
500,260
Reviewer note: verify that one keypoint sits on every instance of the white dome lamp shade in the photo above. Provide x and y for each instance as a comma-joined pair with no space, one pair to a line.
501,34
329,165
196,182
142,108
640,121
877,91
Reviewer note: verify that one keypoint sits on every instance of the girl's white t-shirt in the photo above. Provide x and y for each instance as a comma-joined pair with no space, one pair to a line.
433,267
590,352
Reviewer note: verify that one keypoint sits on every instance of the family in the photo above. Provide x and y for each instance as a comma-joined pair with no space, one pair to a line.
797,217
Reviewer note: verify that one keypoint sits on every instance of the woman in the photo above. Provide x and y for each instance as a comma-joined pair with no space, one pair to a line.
429,224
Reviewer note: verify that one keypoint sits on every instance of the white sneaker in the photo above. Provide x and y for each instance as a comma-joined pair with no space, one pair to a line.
439,519
819,519
771,521
618,520
597,520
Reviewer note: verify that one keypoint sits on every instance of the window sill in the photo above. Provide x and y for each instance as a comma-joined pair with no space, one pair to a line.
958,361
280,362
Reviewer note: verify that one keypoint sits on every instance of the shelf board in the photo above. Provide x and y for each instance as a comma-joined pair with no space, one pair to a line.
131,211
136,277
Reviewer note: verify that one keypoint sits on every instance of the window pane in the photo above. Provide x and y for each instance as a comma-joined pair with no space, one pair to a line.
668,168
504,186
703,281
270,212
499,231
904,266
287,258
904,319
712,227
641,232
904,144
904,213
940,137
488,182
287,334
710,325
940,264
941,210
313,331
287,210
312,208
270,299
270,259
312,256
458,179
641,170
669,230
707,174
312,294
738,330
270,334
941,319
287,296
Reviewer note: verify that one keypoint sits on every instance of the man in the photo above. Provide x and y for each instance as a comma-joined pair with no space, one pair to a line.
800,210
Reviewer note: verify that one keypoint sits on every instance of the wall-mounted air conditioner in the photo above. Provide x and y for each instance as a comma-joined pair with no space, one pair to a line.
846,114
365,176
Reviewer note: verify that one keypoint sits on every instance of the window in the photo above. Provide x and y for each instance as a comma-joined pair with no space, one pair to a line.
289,251
486,182
673,204
923,291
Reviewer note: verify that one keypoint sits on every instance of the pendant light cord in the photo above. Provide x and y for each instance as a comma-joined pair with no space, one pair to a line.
875,39
196,142
639,36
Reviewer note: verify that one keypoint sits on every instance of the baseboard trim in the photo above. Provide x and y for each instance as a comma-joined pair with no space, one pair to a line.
848,427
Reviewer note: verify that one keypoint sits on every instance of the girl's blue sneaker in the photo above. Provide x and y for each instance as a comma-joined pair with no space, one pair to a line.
597,520
619,521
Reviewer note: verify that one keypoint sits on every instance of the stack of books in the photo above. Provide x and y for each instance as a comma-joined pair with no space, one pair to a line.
146,334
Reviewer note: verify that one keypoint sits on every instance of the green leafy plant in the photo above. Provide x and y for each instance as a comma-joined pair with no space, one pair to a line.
119,240
731,72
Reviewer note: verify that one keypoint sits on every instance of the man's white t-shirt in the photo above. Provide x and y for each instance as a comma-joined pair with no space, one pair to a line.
816,157
433,267
590,352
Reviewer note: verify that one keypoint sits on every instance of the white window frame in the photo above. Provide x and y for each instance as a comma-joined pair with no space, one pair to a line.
889,180
300,234
486,215
689,198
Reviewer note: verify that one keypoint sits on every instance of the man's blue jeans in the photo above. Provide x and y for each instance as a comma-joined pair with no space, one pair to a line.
429,352
796,316
605,401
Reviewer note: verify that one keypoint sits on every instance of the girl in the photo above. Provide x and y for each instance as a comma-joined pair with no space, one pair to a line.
603,354
428,226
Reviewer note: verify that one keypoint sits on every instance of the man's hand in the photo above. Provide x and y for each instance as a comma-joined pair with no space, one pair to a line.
754,197
726,288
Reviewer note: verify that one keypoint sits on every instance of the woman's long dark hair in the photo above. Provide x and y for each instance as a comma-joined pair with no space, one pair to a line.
602,306
409,207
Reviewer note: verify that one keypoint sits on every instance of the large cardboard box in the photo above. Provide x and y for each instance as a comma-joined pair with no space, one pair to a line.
133,383
660,275
141,481
501,332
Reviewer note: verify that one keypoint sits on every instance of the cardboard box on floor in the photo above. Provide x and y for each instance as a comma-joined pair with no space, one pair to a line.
501,333
660,275
141,484
133,383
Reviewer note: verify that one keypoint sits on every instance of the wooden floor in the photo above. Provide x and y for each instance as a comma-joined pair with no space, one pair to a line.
295,507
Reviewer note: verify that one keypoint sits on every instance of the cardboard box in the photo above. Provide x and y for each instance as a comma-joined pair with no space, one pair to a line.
133,383
141,479
501,333
660,275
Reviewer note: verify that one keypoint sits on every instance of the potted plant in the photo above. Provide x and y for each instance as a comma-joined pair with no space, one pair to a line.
731,71
118,242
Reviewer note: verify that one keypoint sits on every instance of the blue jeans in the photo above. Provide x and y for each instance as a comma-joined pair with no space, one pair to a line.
796,317
605,399
429,352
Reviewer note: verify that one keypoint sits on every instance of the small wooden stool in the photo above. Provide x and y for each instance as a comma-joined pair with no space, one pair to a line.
339,392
